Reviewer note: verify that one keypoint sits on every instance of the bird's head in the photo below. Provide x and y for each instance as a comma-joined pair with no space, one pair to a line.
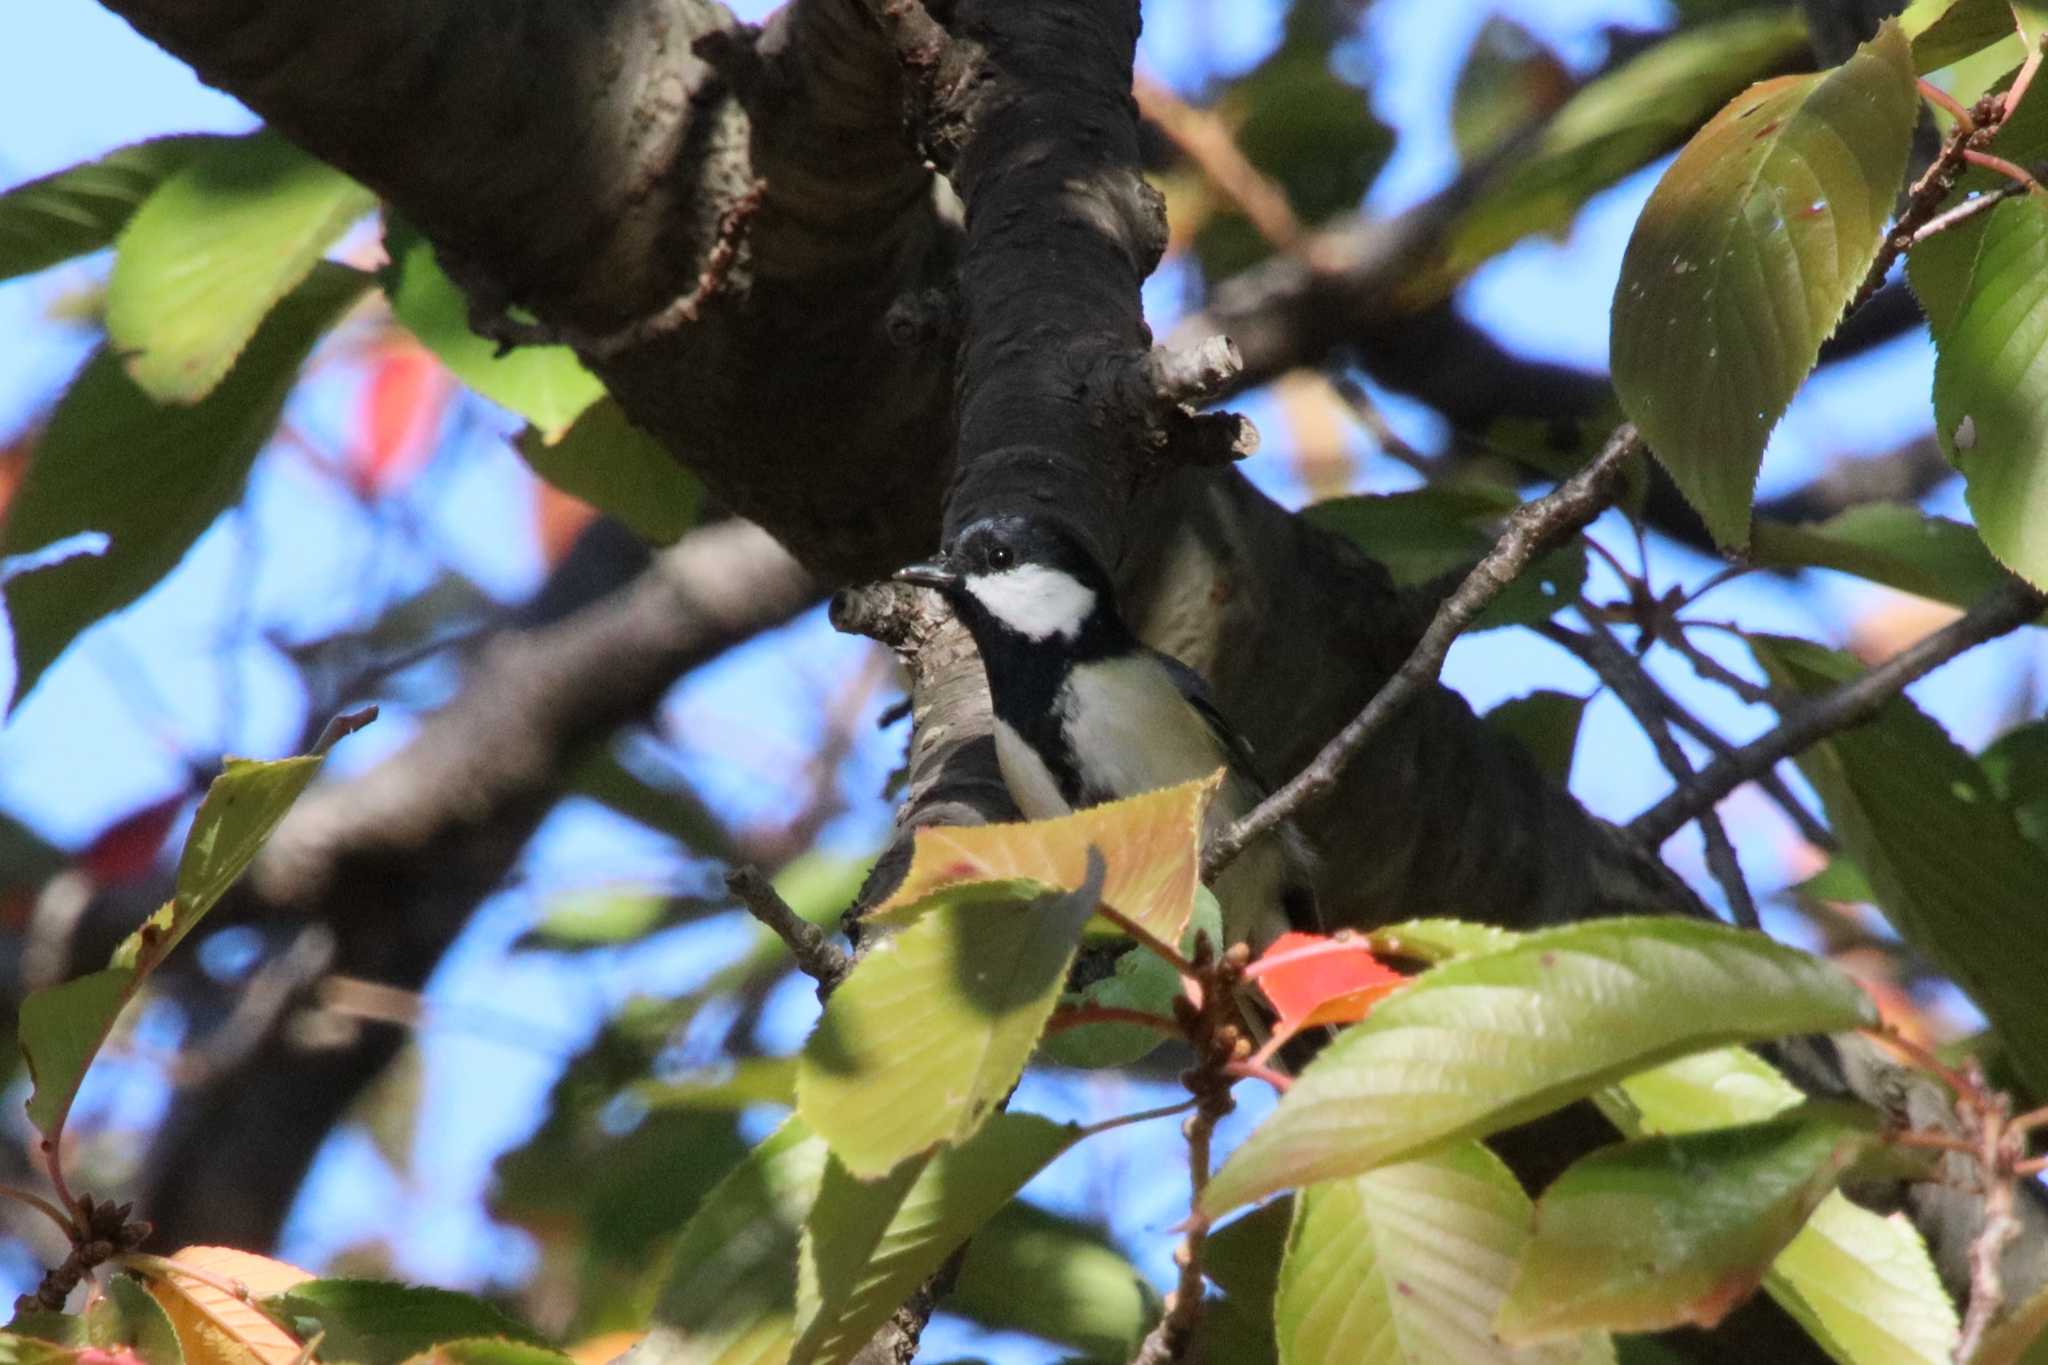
1027,576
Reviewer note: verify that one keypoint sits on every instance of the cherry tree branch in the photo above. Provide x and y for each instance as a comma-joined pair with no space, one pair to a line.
1532,529
2002,610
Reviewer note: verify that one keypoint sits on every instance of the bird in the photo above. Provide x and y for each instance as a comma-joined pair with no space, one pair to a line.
1086,713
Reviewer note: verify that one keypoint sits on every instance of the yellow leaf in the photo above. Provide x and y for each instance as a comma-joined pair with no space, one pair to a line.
1152,844
218,1327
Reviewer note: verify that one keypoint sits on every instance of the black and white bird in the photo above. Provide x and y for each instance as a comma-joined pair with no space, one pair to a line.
1084,713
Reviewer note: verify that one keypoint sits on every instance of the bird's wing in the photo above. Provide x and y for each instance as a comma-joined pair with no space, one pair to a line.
1196,692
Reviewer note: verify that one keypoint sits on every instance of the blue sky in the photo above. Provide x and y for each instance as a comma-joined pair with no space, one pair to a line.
112,726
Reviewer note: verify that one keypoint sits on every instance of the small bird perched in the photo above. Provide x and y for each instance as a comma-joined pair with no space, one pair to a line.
1085,713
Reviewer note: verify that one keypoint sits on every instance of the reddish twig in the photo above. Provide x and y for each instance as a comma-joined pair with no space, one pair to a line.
1082,1015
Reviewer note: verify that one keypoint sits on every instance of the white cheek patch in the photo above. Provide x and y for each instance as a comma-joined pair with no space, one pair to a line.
1035,601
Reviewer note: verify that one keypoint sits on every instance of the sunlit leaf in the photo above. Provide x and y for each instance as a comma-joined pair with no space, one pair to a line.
1745,256
1484,1042
1898,546
216,1327
372,1322
1438,940
1616,125
1944,32
925,1037
210,253
737,1085
1151,843
81,209
731,1293
620,470
150,478
547,385
868,1244
62,1026
1990,388
1410,1263
1672,1231
1861,1284
1084,1293
1949,865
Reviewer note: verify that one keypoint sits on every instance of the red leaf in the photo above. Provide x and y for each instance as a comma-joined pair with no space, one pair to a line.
558,519
1314,979
399,416
127,848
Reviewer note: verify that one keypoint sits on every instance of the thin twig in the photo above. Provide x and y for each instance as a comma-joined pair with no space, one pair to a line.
1532,529
2011,170
1997,1151
1625,676
1968,209
1973,129
2005,608
42,1206
822,960
1083,1015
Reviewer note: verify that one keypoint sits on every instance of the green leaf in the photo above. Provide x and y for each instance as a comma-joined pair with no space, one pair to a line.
62,1026
1426,533
20,1350
1439,940
1084,1293
151,478
1951,869
731,1293
620,470
1618,124
1674,1231
1749,249
126,1315
1840,880
1243,1260
1508,83
1482,1043
674,811
1943,32
1900,547
867,1245
1410,1263
1546,723
927,1035
1140,981
210,253
1990,390
546,385
737,1085
371,1322
600,917
2017,766
484,1351
1862,1285
55,1329
81,209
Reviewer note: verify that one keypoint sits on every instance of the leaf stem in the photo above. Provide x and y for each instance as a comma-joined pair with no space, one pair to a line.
44,1207
1083,1015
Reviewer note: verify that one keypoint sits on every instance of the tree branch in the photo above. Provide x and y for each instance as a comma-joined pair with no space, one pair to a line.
394,860
1532,528
2004,609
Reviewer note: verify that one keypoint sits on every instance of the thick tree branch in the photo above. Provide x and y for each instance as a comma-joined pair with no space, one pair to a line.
394,860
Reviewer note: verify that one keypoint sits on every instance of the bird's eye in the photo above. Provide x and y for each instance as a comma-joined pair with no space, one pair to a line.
999,557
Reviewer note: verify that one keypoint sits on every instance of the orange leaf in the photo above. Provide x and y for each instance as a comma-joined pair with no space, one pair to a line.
1313,979
1152,844
558,519
216,1327
399,416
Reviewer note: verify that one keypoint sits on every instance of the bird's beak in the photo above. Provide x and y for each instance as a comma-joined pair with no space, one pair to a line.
933,573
